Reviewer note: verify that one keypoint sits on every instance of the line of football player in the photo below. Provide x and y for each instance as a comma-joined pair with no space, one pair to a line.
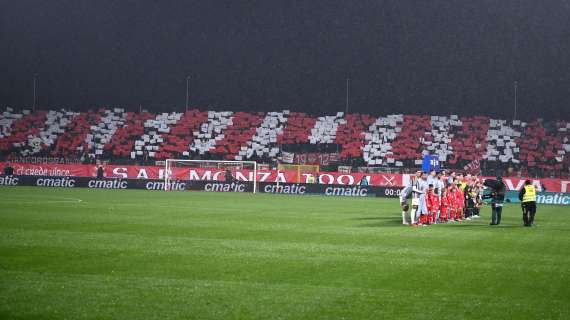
441,198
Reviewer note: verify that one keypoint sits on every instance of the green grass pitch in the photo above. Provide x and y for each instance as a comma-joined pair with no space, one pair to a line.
98,254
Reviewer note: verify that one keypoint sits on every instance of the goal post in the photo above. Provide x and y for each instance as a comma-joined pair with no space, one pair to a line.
299,169
173,165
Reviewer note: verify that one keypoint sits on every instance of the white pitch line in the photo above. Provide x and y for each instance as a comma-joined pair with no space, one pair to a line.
61,200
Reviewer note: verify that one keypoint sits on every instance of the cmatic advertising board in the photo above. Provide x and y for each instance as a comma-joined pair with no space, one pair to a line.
270,176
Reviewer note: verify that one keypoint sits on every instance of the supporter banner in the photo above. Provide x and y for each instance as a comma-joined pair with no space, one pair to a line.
287,157
473,167
430,162
43,160
72,170
316,158
200,174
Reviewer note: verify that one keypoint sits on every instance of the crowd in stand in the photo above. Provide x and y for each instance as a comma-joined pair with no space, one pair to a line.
392,142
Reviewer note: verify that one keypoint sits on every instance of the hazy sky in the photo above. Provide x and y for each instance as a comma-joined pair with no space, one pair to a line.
435,57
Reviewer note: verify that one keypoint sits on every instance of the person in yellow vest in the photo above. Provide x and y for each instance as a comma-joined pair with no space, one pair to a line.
462,182
463,187
527,195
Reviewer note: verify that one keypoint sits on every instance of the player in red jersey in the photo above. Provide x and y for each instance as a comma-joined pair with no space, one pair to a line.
459,202
453,201
437,204
450,193
432,205
444,208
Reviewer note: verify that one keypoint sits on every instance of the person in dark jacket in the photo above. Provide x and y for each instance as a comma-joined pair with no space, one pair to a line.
497,200
527,195
229,177
8,170
470,201
100,172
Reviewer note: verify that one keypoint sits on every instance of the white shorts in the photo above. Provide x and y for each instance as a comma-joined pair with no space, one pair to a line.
416,202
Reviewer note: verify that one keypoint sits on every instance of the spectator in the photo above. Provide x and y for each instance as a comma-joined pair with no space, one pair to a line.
8,170
229,177
100,172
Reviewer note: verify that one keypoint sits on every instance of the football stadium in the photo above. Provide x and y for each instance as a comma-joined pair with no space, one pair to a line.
284,160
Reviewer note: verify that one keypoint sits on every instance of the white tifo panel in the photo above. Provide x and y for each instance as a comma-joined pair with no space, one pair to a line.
55,124
264,141
501,144
379,138
102,133
211,131
325,128
7,118
441,127
154,129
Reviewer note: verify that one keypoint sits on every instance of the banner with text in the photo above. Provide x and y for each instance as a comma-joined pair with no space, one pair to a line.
203,174
555,198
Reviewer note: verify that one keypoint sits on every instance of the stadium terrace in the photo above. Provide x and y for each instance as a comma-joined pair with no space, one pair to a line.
393,142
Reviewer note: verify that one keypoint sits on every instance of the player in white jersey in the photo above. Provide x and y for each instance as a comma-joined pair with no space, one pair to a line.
419,188
404,195
423,186
439,186
432,178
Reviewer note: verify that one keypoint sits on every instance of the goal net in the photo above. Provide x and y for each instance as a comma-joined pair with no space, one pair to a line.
242,172
299,170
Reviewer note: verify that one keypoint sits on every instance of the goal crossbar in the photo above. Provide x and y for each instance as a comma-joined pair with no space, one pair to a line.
168,167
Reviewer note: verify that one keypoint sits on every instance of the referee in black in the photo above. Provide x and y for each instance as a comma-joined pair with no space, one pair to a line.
527,195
